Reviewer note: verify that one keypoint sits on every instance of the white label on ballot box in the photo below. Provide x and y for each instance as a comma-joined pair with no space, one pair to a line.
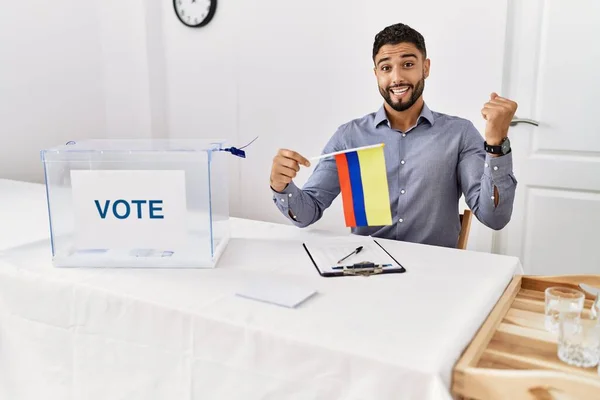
129,209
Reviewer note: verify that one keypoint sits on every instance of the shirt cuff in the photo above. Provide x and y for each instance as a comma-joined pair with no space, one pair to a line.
498,168
288,196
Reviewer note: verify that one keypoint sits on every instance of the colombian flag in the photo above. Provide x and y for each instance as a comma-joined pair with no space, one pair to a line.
363,181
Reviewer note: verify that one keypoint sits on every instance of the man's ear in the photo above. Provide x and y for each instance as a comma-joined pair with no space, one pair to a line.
426,66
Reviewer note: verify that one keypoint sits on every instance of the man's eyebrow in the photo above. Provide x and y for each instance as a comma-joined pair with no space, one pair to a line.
407,55
383,59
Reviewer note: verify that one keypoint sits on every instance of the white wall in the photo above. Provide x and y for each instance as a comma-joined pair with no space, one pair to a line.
292,72
51,81
133,57
125,65
71,70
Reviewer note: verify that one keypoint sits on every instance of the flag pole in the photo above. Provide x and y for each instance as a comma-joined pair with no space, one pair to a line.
346,151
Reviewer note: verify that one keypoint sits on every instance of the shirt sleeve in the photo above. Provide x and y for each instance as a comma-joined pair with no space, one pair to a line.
479,173
305,206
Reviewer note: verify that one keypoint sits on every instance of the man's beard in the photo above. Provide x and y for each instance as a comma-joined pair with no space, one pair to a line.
416,92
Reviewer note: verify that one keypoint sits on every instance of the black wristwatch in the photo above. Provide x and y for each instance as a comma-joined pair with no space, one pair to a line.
502,149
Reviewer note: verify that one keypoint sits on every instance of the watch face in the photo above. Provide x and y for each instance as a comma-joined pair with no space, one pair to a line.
505,146
195,13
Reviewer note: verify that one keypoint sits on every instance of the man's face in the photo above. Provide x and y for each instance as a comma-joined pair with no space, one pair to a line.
401,71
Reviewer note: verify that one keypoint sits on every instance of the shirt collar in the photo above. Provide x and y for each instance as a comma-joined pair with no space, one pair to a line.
381,116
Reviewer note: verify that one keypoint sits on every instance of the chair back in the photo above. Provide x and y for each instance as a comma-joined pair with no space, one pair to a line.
465,228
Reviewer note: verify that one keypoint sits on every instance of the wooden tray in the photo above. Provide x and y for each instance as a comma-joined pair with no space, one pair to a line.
512,356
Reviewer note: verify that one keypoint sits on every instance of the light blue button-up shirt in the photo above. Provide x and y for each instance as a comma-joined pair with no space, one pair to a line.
429,167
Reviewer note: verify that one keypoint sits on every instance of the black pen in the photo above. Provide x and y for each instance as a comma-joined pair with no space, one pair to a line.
356,251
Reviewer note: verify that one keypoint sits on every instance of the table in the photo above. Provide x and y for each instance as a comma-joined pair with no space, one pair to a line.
183,334
23,213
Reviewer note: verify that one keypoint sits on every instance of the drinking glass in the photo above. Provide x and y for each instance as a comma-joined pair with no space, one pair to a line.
562,302
579,341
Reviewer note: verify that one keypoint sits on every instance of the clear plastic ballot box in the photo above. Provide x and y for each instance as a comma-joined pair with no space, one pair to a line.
137,203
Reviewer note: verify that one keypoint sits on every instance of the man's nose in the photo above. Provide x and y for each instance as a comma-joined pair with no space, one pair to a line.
397,77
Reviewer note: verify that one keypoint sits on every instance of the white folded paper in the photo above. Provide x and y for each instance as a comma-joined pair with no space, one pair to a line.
276,292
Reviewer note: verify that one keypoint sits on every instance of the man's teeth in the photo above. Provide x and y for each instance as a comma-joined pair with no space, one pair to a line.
399,91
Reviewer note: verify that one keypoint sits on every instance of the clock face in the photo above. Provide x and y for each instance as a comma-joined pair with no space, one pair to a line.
195,13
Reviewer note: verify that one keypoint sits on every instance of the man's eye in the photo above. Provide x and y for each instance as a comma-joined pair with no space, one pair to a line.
408,65
385,68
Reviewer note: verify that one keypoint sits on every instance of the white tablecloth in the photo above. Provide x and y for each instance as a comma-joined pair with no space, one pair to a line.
183,334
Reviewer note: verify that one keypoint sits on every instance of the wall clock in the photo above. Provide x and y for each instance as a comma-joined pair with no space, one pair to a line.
195,13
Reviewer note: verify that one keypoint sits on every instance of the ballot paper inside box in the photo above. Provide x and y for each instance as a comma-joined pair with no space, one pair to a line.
137,203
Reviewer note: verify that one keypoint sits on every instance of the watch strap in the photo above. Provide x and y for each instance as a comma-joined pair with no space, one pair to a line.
499,148
492,149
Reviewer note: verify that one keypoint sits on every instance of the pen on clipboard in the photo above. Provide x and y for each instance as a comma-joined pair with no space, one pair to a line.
356,251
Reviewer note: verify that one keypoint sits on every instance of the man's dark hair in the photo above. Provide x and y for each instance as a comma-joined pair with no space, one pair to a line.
399,33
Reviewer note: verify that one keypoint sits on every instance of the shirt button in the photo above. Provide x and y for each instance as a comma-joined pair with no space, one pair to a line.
290,195
400,220
495,168
402,191
486,165
404,135
283,200
402,162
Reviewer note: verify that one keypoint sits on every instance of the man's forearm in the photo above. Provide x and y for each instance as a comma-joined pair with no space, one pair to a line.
298,206
497,193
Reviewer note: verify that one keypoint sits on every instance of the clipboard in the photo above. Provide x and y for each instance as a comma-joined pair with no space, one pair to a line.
376,261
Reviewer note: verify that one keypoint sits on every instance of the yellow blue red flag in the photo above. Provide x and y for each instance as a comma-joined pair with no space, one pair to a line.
364,186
